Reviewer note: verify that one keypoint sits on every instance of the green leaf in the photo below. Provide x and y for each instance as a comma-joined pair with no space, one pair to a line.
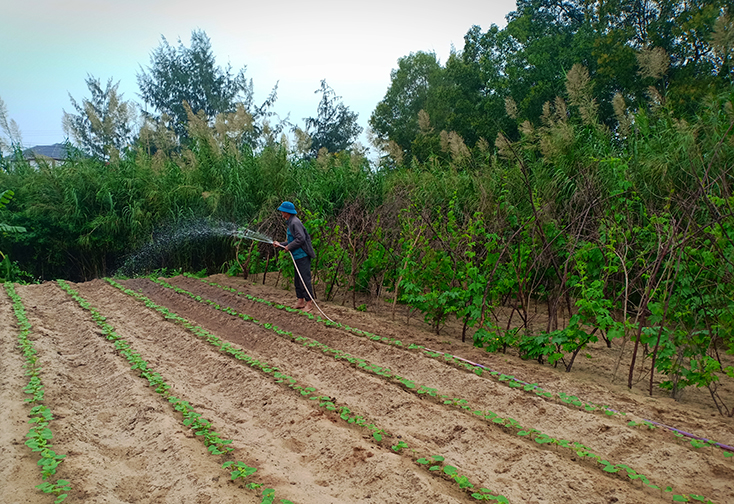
450,470
268,496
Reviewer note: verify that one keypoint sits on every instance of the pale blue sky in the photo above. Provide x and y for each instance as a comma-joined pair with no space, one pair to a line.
48,47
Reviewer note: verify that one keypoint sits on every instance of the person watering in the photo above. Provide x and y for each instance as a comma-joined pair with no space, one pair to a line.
298,244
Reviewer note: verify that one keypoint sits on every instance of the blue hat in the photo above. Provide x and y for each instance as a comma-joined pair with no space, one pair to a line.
288,207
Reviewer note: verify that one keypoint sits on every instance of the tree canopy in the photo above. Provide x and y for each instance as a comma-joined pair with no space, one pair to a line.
180,77
335,127
528,61
413,86
103,125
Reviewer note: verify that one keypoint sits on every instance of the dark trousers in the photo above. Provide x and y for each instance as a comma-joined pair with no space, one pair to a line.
304,266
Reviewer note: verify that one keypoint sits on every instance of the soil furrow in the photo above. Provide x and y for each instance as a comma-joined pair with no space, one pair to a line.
18,470
124,443
665,457
474,446
301,451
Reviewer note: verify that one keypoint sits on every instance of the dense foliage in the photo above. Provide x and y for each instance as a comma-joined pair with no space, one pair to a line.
528,60
102,125
182,81
335,128
554,165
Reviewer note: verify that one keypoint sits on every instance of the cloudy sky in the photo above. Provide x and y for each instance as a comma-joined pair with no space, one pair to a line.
49,47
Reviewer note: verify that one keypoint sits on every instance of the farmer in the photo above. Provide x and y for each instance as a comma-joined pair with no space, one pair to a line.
298,244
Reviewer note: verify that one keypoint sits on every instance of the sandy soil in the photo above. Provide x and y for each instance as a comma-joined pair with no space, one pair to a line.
125,443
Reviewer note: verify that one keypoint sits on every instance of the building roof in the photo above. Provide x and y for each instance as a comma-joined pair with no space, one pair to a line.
55,152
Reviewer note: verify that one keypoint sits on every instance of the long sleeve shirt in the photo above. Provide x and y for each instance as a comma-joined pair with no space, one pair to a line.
299,242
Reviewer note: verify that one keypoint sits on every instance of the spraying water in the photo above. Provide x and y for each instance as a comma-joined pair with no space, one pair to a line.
248,234
169,241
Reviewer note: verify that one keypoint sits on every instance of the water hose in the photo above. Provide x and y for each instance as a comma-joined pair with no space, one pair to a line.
249,234
310,294
684,433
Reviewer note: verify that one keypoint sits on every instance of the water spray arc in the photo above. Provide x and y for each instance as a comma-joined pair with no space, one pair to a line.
168,240
248,234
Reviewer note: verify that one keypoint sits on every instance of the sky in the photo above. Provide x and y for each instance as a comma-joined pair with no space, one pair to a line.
48,48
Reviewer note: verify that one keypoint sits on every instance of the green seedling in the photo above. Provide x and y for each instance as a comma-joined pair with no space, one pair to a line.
39,434
527,432
399,446
380,371
60,489
268,496
450,470
609,467
241,470
489,495
463,481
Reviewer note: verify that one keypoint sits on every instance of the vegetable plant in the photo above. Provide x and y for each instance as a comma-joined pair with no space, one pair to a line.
39,434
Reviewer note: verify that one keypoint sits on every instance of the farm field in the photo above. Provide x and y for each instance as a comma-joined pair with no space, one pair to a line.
367,410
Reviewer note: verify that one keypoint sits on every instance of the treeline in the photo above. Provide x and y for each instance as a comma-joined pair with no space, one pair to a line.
613,213
667,50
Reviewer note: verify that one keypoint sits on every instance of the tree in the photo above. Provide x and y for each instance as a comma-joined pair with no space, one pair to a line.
190,74
102,126
477,86
335,128
396,117
548,38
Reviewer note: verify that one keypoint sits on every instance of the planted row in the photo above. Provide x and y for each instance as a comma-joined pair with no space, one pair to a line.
317,318
322,400
476,369
190,418
40,434
509,424
509,380
571,400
